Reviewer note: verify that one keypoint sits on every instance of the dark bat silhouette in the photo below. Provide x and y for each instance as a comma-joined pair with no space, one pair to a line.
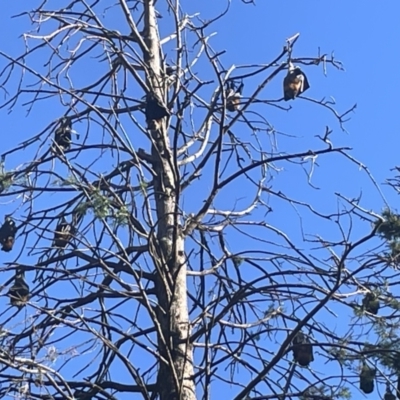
62,135
63,233
233,96
19,292
302,349
295,83
155,112
7,234
389,395
367,376
371,303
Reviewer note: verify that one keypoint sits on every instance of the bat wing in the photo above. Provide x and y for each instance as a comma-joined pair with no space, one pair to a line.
306,85
287,90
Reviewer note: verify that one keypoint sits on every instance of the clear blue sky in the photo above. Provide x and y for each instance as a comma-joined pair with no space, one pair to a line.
365,36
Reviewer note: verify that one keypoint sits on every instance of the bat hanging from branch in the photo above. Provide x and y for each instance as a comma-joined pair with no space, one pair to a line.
7,234
19,291
370,303
233,95
63,136
302,349
63,233
155,112
389,395
295,83
367,376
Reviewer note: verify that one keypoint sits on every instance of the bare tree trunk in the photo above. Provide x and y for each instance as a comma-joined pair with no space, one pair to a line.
175,375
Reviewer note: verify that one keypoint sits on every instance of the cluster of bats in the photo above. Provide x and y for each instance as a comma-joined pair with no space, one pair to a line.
303,353
294,83
155,111
367,377
371,304
19,291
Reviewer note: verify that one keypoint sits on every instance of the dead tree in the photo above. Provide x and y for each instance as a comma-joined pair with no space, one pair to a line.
143,191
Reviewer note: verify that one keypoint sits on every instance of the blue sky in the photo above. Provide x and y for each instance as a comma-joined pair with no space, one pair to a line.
363,36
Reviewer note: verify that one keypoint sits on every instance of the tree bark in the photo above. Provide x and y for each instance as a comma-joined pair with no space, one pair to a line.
175,375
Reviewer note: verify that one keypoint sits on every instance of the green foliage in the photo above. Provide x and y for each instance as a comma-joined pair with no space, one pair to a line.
6,180
100,205
344,393
393,303
122,217
143,186
70,180
390,228
314,392
389,354
394,247
342,355
82,208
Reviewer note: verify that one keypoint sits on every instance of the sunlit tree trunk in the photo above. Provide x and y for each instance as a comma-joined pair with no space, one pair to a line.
175,375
